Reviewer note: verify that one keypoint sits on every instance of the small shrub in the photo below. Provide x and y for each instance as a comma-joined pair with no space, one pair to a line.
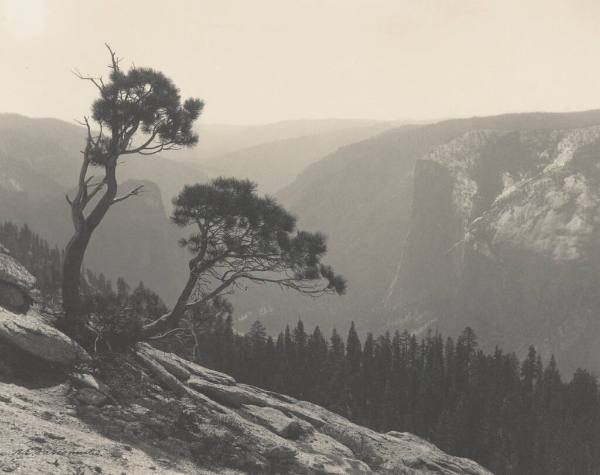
119,329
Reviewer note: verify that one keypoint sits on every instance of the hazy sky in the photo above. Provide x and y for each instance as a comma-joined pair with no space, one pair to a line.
256,61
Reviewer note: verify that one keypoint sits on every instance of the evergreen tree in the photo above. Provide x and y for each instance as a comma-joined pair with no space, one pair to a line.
300,362
336,384
513,417
354,374
237,237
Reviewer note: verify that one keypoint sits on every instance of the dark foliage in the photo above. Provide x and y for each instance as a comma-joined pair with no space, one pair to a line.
251,238
118,317
237,237
42,260
513,417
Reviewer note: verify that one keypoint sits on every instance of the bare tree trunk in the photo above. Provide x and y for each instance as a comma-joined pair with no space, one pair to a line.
84,227
71,285
171,319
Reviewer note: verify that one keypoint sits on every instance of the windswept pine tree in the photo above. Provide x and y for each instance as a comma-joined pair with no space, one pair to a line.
238,238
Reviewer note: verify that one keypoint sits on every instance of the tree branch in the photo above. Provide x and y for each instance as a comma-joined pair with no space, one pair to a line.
145,145
164,335
212,294
96,81
113,58
134,192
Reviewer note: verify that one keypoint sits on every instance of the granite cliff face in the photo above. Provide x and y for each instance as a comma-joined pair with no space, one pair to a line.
504,236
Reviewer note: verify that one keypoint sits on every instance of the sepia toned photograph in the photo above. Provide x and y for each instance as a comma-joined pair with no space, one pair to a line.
304,237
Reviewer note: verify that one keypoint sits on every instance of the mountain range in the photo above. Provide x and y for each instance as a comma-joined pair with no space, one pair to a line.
490,222
275,164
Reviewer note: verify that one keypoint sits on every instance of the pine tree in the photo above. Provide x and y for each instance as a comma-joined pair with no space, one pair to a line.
336,387
137,112
301,380
354,374
317,356
238,237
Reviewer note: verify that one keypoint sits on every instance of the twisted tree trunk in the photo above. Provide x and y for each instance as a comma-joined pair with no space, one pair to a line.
84,227
72,264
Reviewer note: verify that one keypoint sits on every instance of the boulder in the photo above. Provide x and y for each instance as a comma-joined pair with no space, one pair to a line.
17,285
28,333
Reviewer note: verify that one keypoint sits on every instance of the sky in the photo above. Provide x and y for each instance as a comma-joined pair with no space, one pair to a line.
259,61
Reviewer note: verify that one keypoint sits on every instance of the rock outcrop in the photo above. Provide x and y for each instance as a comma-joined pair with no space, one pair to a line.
505,238
22,327
17,285
148,411
258,431
28,333
185,417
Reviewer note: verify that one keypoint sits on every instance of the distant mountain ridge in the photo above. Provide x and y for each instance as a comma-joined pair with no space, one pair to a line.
275,164
39,164
49,150
217,140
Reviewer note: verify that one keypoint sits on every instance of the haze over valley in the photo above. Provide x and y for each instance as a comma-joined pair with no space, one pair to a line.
408,211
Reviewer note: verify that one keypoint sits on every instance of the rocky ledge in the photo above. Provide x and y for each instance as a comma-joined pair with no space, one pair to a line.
265,432
208,418
147,411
